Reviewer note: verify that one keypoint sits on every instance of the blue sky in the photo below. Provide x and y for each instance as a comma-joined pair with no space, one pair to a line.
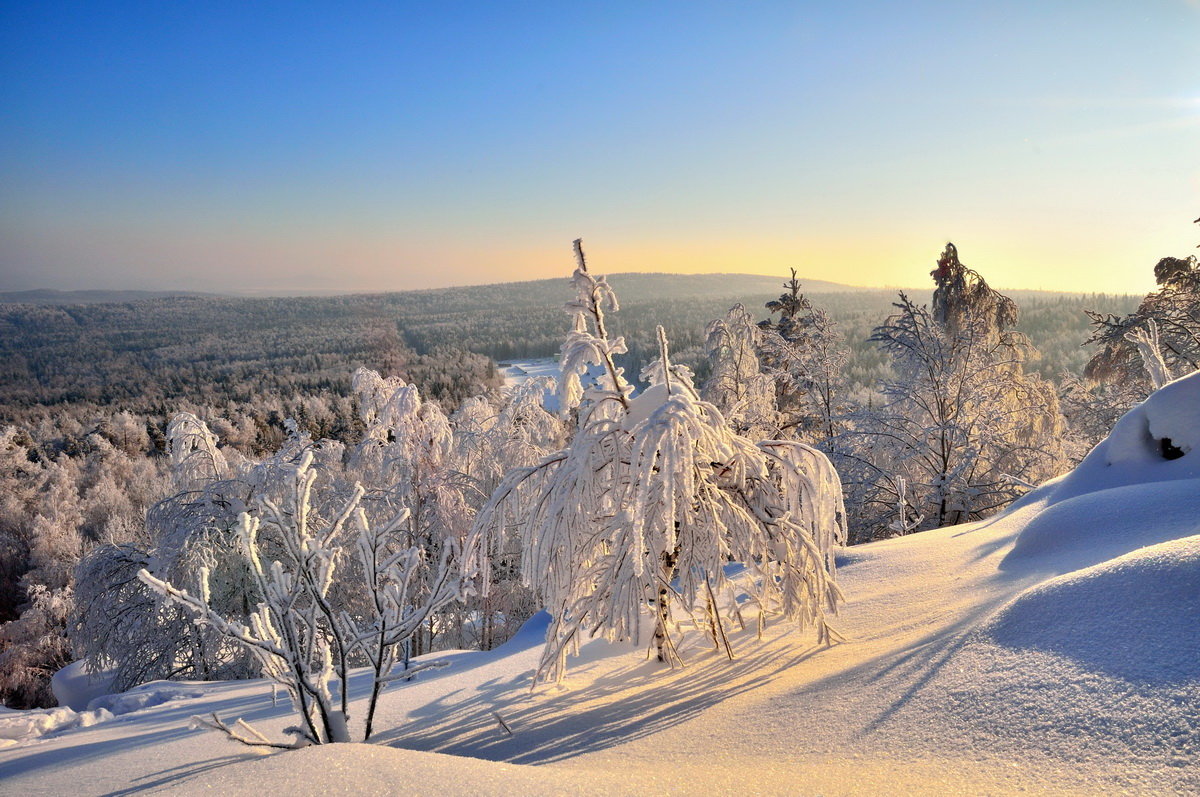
377,146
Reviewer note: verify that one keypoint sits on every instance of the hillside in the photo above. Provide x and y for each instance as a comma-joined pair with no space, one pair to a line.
1050,649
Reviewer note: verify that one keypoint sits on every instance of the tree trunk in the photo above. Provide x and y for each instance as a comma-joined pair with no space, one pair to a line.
661,639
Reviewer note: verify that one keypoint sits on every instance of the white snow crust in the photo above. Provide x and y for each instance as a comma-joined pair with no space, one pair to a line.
1052,649
75,687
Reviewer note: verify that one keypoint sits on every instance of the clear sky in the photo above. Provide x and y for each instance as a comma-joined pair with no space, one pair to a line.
377,146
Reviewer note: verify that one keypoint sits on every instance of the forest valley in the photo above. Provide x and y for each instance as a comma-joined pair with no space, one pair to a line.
383,494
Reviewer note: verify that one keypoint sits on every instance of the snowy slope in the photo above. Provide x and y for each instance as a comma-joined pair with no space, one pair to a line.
1053,649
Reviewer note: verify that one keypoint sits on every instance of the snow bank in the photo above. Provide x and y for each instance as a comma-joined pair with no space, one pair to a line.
17,726
1156,441
75,687
150,694
1165,426
1133,617
1089,528
1139,486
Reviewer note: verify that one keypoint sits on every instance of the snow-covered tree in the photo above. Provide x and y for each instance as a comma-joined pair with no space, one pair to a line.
653,496
300,637
963,428
119,624
492,435
736,384
1174,309
33,647
408,455
805,353
192,448
1138,352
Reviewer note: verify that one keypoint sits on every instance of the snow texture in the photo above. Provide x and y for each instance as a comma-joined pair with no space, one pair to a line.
1049,650
75,687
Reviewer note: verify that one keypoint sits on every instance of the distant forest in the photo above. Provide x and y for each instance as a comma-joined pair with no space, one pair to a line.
155,355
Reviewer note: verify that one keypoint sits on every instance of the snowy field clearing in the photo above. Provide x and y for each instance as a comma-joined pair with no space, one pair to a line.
517,372
1051,649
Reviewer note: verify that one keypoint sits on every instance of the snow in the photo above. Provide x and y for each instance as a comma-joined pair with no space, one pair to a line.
1133,451
518,372
22,725
1052,649
1171,413
1133,616
75,687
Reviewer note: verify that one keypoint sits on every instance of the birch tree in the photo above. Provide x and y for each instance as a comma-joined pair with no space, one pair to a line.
653,496
963,428
298,634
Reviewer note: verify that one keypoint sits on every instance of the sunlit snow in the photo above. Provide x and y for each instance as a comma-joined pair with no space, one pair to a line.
1050,649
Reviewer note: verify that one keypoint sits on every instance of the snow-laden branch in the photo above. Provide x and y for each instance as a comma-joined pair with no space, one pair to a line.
300,638
652,497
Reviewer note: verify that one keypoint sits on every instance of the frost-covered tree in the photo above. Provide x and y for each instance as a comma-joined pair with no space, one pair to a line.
1174,309
736,384
299,635
653,496
33,647
1138,352
119,624
408,455
192,448
962,428
492,435
53,512
20,478
804,351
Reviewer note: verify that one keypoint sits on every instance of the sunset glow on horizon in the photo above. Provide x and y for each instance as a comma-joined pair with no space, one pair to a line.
378,147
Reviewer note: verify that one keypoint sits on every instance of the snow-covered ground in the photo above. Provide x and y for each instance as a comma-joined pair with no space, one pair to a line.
1051,649
518,372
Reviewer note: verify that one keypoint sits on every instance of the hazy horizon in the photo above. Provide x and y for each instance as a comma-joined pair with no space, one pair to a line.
279,292
383,148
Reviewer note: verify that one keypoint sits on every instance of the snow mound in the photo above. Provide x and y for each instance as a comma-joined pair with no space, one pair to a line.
19,726
1092,527
147,695
1139,486
1133,617
75,687
1166,426
1156,441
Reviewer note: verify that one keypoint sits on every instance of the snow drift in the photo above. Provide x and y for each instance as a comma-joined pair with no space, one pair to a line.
1051,649
1133,617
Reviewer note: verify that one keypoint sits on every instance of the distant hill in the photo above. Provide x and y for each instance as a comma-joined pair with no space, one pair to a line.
47,296
632,287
